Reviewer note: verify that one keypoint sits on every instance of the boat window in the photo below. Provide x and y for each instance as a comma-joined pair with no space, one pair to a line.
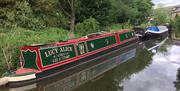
127,35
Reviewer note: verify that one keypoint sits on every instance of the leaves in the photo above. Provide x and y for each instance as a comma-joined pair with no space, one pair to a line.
161,15
88,26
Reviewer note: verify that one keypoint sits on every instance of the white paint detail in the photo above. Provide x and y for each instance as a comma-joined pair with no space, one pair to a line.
92,45
3,81
21,78
107,42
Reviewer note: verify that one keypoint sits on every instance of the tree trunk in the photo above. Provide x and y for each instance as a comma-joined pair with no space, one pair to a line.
73,18
71,36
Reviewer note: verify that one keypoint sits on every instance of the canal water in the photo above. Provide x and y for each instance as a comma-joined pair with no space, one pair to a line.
144,66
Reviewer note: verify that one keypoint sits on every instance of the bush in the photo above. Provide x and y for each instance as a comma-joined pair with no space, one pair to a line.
116,27
176,26
87,26
11,41
18,13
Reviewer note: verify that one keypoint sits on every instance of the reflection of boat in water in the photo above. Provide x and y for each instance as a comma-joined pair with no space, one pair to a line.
83,76
154,46
86,72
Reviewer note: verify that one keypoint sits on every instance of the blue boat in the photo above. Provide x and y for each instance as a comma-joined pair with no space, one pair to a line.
156,29
152,32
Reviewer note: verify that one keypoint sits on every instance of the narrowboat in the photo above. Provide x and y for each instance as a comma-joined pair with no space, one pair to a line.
47,60
84,73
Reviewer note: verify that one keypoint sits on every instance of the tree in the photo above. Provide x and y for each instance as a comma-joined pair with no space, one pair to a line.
69,7
97,9
48,11
161,15
18,13
144,7
131,10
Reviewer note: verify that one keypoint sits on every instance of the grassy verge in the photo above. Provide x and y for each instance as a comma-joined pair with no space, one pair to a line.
116,27
12,39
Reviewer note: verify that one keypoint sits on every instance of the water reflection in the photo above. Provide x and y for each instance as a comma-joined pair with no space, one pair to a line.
91,72
159,76
88,74
112,80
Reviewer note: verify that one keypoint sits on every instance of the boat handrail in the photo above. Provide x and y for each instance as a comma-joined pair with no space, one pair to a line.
91,35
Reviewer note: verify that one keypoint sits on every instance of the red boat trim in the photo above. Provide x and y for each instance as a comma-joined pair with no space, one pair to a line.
96,57
76,57
82,56
74,43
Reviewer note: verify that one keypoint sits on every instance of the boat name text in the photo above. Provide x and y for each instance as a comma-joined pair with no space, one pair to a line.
56,51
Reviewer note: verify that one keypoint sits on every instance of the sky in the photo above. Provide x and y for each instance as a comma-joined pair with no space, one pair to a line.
166,2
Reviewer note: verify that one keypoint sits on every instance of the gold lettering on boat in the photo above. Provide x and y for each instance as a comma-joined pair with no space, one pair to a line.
65,49
51,52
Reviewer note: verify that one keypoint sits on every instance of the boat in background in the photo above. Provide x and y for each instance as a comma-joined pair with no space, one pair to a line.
152,32
47,60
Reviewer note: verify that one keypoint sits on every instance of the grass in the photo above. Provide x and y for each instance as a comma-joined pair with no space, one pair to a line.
12,39
116,27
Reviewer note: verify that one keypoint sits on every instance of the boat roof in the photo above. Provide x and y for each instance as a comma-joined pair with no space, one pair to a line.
157,29
84,38
153,28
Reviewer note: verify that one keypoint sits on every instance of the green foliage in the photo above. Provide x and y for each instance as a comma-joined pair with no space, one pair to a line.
135,11
87,26
49,12
161,16
98,9
176,26
39,14
18,13
117,27
11,41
